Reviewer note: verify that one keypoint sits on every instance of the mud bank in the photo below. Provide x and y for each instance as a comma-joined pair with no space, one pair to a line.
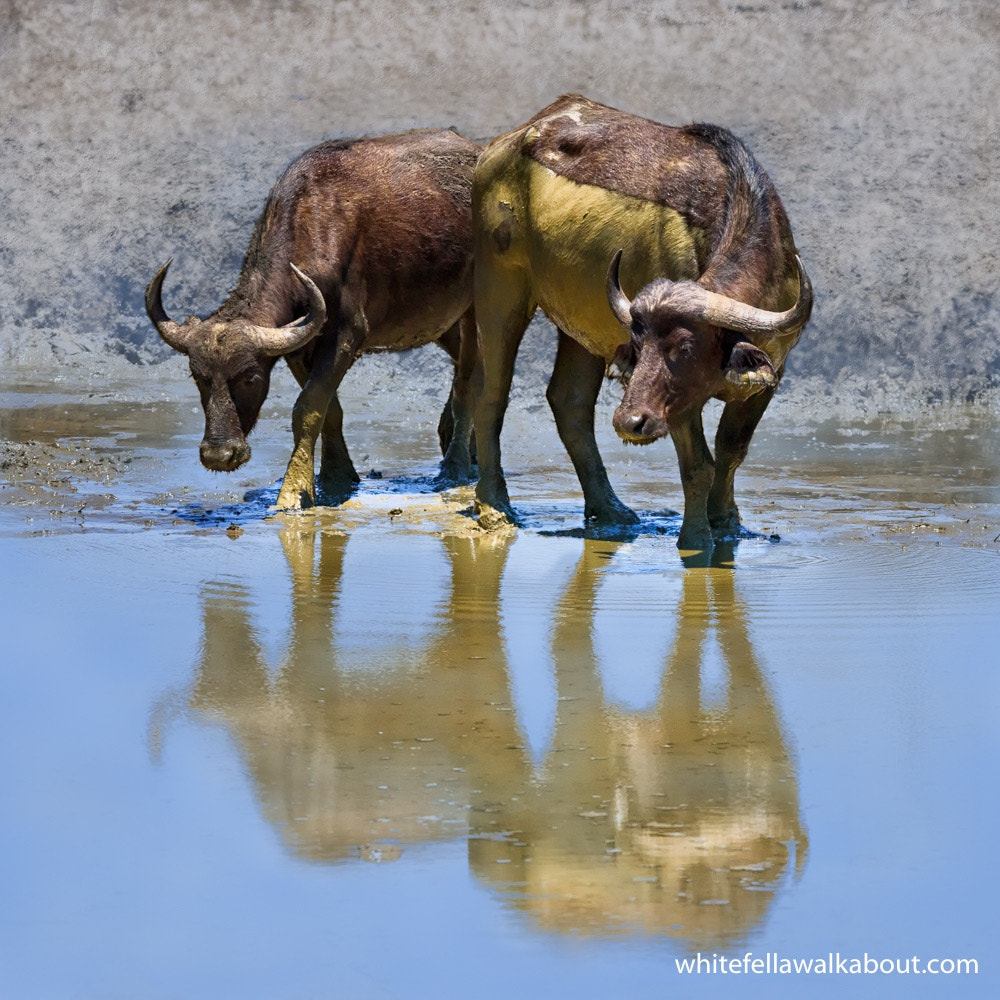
74,456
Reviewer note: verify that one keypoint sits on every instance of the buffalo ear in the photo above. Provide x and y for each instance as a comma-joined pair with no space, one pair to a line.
621,365
750,369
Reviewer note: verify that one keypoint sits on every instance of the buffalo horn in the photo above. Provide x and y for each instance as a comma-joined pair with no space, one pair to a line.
617,299
173,333
693,301
275,341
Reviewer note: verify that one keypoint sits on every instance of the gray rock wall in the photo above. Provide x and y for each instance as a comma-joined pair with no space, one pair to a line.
130,132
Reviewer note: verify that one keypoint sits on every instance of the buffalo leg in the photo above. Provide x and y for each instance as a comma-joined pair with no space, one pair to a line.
450,343
337,475
334,356
697,474
732,441
572,395
455,426
335,468
503,310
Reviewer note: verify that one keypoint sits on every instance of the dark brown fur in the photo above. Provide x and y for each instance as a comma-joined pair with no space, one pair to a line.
383,228
614,150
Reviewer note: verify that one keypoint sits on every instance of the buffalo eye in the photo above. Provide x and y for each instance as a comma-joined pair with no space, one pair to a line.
679,351
247,381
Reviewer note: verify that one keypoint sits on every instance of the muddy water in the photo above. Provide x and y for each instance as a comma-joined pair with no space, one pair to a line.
370,752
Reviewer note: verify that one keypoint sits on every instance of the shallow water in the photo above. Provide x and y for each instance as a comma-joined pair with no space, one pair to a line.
370,752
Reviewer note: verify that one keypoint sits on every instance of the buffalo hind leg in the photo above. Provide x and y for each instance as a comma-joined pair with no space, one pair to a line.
732,441
455,428
572,395
337,475
503,309
697,475
450,343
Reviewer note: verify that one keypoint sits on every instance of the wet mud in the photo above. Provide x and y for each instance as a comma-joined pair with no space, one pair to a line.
69,451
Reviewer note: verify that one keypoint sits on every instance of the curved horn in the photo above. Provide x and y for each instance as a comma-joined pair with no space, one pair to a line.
275,341
173,333
617,299
697,302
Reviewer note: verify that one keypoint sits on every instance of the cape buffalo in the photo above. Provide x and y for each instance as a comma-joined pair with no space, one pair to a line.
719,296
363,245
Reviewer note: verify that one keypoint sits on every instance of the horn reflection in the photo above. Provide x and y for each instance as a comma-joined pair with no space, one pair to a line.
680,819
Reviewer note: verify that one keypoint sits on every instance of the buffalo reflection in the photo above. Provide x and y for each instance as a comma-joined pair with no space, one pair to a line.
677,819
682,819
349,763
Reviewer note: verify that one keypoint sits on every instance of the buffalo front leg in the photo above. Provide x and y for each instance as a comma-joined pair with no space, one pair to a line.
337,474
455,426
334,356
503,309
572,394
697,473
732,441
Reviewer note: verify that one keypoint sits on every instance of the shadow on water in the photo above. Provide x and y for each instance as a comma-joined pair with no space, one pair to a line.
680,819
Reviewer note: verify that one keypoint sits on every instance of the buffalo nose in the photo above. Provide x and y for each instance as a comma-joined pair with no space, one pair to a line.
223,456
633,423
637,426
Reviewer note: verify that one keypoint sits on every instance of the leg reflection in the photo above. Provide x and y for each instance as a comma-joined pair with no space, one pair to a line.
347,764
681,820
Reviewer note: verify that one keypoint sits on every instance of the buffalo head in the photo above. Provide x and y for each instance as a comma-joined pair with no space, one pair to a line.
687,345
231,362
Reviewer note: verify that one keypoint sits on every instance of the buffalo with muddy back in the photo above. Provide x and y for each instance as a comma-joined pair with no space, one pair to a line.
662,255
363,245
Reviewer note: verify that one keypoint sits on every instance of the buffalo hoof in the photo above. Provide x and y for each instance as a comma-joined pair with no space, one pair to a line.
491,518
726,525
611,515
334,490
338,480
292,498
453,474
695,538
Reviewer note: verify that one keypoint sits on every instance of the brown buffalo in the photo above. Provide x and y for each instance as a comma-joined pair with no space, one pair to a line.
363,245
719,295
